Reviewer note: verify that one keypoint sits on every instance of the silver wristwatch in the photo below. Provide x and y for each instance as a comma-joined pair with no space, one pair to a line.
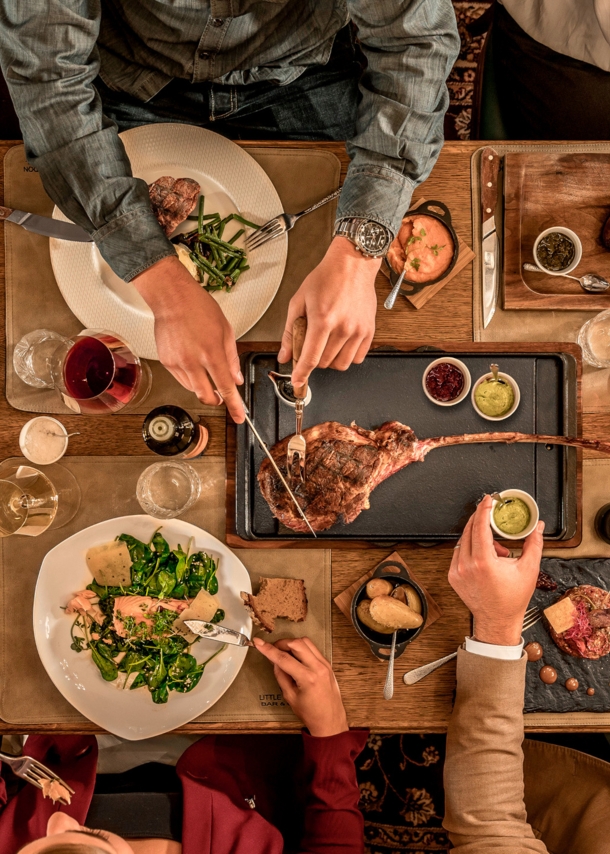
369,237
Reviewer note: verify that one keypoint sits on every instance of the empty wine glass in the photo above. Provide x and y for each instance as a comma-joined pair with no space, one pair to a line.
167,489
95,373
30,501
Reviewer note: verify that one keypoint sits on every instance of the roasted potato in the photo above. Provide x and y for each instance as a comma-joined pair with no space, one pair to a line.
378,587
394,614
408,596
363,611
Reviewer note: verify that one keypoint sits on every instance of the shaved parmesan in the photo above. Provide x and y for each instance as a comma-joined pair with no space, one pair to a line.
110,564
562,615
203,607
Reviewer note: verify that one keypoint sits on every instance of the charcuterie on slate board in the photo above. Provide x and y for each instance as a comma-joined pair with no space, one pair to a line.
595,674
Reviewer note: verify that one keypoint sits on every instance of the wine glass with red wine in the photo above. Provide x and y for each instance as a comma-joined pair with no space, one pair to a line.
95,373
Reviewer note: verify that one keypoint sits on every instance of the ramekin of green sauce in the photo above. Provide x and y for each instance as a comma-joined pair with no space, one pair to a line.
516,516
494,399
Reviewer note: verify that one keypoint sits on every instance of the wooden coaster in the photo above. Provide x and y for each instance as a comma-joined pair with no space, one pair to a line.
465,257
344,600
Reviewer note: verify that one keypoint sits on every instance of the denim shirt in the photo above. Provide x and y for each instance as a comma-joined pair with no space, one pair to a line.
51,51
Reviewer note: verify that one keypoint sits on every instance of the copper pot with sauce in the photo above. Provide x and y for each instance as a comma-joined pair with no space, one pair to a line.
412,286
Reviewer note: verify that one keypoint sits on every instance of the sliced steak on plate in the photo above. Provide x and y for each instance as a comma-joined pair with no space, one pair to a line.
590,637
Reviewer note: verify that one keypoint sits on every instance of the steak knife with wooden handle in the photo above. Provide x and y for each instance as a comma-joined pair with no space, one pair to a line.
490,254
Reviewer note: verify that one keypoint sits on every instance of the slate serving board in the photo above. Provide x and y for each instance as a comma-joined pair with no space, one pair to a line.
590,674
430,501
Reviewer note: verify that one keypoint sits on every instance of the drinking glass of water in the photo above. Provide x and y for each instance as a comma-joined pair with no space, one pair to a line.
167,489
594,340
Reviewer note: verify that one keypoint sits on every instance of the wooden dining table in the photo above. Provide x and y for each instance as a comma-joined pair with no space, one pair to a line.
426,706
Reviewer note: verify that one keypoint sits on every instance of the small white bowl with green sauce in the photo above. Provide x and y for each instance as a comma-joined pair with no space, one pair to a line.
516,516
494,400
557,251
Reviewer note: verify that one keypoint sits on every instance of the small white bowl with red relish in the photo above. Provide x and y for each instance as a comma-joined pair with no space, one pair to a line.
446,381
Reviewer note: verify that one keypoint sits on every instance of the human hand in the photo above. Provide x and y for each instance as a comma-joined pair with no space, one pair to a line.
494,587
195,341
339,301
308,684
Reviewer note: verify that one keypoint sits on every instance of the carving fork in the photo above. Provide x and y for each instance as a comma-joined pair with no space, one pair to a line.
297,446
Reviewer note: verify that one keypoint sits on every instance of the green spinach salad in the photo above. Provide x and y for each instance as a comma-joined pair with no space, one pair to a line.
131,615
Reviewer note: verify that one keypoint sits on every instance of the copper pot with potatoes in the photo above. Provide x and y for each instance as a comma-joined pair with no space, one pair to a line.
390,601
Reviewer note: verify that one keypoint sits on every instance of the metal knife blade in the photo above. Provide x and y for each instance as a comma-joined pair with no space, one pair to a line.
277,471
46,225
490,255
211,631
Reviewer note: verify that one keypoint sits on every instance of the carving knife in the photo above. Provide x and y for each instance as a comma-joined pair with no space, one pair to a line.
277,471
212,631
46,225
490,251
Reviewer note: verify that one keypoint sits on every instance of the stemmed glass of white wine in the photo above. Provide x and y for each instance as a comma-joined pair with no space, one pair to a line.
30,502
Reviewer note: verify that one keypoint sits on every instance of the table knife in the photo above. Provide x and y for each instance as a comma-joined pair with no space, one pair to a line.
264,448
212,631
490,254
46,225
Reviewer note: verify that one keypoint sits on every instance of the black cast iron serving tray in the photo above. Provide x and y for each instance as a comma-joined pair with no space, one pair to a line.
540,697
432,500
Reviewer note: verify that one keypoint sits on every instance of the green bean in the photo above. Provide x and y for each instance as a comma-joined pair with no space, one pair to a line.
231,250
200,212
236,235
208,268
245,221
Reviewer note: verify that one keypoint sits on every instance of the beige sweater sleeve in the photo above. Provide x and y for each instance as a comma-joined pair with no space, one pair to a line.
484,808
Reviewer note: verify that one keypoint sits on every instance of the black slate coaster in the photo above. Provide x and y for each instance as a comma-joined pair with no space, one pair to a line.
590,674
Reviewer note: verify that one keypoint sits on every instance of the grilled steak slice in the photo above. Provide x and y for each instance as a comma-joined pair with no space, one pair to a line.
345,464
172,200
585,639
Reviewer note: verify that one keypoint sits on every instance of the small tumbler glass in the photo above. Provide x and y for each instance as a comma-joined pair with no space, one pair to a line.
168,489
594,340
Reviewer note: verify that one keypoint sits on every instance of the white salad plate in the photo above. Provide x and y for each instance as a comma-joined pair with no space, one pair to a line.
231,181
132,714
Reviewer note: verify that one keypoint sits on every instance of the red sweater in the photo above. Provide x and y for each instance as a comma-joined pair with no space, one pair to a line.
217,774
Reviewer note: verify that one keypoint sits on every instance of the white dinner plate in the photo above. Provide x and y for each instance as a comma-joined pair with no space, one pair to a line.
231,181
132,714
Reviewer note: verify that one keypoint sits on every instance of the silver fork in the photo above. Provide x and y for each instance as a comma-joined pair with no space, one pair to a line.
34,772
282,223
532,616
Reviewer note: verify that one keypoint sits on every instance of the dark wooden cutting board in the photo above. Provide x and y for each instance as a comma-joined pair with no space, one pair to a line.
542,190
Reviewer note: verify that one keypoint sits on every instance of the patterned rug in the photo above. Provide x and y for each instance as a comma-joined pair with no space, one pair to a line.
461,79
401,794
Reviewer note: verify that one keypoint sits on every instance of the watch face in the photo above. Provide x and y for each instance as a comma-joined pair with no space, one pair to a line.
373,238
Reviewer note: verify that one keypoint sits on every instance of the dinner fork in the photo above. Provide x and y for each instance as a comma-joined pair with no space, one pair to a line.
297,446
532,616
282,223
34,772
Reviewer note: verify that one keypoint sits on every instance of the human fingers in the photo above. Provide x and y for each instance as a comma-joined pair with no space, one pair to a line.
233,357
181,376
282,659
363,349
200,384
337,339
287,684
301,651
482,537
227,390
296,308
501,550
347,354
314,345
532,548
316,651
465,549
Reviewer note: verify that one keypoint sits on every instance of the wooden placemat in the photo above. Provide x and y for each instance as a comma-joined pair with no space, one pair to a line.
27,695
535,325
344,600
464,258
33,299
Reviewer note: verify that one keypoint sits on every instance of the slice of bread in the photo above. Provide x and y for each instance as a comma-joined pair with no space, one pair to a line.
277,598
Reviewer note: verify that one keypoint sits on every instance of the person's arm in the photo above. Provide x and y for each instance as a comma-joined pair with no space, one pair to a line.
49,59
333,822
410,47
484,786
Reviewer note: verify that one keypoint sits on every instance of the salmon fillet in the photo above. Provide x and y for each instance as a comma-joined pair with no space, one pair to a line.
142,609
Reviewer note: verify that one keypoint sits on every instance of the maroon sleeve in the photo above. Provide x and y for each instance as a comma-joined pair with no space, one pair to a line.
333,822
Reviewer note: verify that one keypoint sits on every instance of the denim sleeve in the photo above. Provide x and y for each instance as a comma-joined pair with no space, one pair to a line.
49,59
410,47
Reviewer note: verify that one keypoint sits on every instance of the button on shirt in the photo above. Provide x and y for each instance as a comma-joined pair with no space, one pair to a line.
52,52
